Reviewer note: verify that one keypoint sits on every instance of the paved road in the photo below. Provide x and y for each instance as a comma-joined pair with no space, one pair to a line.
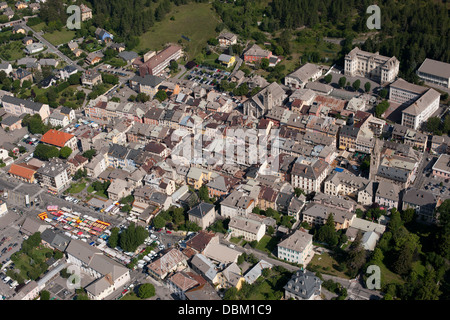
355,288
52,48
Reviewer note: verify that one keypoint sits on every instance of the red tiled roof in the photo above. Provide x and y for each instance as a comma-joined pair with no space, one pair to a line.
56,138
22,170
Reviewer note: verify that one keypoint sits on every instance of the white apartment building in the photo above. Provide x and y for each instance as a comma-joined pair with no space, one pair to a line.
343,183
296,248
420,110
436,72
108,274
249,229
54,176
18,107
308,174
401,91
371,65
237,204
300,77
57,119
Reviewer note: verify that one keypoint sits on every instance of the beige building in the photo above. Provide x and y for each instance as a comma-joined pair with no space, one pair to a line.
343,183
420,110
247,228
18,107
300,77
237,203
371,65
296,248
308,175
317,214
203,214
86,12
108,275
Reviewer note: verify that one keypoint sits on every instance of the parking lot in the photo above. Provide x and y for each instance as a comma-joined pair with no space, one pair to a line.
207,75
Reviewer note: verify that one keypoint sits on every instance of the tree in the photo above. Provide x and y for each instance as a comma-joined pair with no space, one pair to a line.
132,237
45,152
356,84
403,263
173,66
367,86
74,79
381,108
45,295
159,222
90,154
383,93
327,232
328,78
113,239
203,194
298,192
146,290
356,257
433,125
408,215
65,152
342,81
161,95
213,41
264,64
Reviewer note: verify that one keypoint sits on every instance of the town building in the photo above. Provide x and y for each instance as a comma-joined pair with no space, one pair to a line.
296,248
300,77
441,168
157,63
317,214
86,12
17,107
255,54
420,110
423,202
227,39
237,203
371,65
54,176
249,229
435,72
303,285
59,139
203,214
308,174
91,78
109,276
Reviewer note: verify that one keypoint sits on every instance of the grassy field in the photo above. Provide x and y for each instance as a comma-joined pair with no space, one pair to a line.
267,243
25,263
326,262
59,37
76,188
130,296
12,51
195,21
39,26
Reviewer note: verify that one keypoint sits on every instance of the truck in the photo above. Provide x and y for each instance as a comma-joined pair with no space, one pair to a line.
27,200
52,208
